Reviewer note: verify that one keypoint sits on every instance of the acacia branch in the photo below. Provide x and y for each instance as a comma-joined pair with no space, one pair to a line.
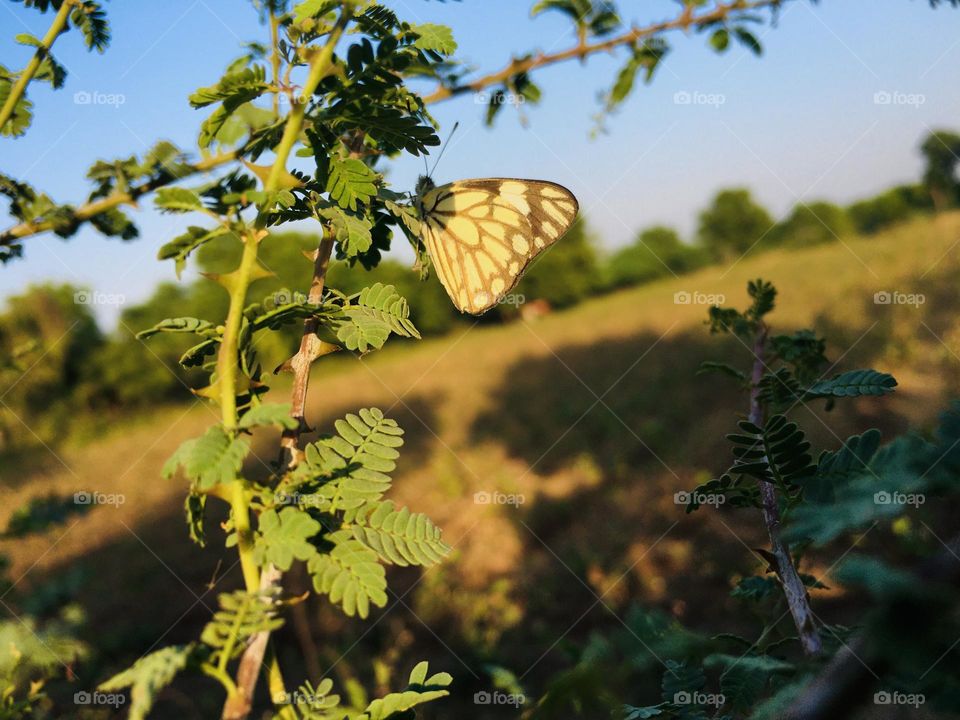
128,197
846,681
311,347
18,88
798,601
685,21
238,705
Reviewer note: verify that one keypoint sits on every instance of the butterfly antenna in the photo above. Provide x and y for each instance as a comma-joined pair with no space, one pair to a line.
443,149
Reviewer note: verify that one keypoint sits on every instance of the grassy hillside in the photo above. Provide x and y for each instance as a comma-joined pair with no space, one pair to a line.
593,417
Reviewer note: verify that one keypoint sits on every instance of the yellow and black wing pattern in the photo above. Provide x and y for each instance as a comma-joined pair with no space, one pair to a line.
482,234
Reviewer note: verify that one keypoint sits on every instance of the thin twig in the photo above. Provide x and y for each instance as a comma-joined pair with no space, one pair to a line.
311,347
846,681
238,705
582,49
794,590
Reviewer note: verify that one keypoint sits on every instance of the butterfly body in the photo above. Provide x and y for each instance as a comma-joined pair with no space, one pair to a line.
483,234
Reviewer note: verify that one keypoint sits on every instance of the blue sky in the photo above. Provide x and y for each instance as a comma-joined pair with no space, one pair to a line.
801,123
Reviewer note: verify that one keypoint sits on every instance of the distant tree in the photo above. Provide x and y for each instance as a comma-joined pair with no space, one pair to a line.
941,149
657,251
812,224
888,208
47,337
733,224
133,373
566,273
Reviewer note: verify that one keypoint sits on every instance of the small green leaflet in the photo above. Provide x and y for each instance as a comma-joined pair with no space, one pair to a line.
351,182
176,199
210,459
438,38
148,676
269,414
283,537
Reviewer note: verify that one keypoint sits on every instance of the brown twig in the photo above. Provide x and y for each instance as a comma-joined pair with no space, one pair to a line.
798,601
129,197
311,347
581,50
846,681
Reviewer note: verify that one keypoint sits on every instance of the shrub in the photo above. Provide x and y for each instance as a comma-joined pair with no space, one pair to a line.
657,251
812,224
733,225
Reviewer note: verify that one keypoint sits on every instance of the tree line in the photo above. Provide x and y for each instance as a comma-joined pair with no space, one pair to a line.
82,377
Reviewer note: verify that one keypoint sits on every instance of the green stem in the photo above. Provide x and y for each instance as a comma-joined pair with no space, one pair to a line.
320,67
227,359
238,704
275,60
224,679
20,86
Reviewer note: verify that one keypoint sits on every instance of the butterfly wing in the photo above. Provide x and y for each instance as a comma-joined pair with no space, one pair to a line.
482,234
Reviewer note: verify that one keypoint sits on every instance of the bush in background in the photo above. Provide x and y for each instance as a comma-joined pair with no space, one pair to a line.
733,225
657,252
812,224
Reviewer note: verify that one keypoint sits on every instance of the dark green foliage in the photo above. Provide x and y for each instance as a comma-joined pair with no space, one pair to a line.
941,149
853,384
657,252
762,295
812,224
776,453
889,208
148,676
733,225
49,334
40,513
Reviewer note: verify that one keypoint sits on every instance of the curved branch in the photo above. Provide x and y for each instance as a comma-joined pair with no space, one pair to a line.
686,20
795,592
846,682
115,199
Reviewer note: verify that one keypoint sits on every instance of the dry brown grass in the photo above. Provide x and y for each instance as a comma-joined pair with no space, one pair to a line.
514,409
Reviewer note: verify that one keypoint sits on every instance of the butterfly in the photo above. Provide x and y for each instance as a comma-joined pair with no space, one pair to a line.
483,234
